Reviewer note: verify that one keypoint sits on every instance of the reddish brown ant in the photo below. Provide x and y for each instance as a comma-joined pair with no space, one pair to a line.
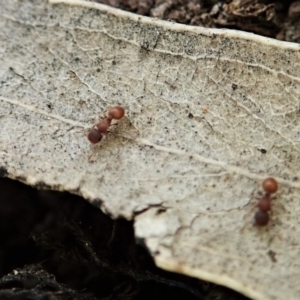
262,216
101,128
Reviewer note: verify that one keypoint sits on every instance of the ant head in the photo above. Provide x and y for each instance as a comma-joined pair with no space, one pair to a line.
116,112
270,185
94,136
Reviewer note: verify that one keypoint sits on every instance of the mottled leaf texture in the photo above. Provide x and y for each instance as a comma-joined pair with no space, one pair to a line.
209,115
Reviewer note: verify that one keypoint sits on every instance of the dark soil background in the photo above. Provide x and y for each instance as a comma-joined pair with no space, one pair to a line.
58,246
276,19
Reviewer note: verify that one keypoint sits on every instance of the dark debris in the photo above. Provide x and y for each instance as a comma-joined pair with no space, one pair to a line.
74,251
271,18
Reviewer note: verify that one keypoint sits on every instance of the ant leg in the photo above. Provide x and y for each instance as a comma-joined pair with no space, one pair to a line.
81,131
247,215
92,154
93,126
271,212
251,210
103,114
244,227
109,133
106,137
113,129
277,205
281,205
89,158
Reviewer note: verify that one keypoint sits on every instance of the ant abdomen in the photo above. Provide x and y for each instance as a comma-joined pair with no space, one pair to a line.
94,136
261,218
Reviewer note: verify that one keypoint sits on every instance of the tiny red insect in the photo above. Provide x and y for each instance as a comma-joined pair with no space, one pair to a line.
264,204
262,216
101,128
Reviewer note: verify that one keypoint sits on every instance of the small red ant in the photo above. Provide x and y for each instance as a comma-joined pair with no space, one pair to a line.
99,129
262,216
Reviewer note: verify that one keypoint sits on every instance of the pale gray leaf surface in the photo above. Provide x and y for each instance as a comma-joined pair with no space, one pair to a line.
209,115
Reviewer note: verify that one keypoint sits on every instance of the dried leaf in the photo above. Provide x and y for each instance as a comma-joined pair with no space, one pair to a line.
209,115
